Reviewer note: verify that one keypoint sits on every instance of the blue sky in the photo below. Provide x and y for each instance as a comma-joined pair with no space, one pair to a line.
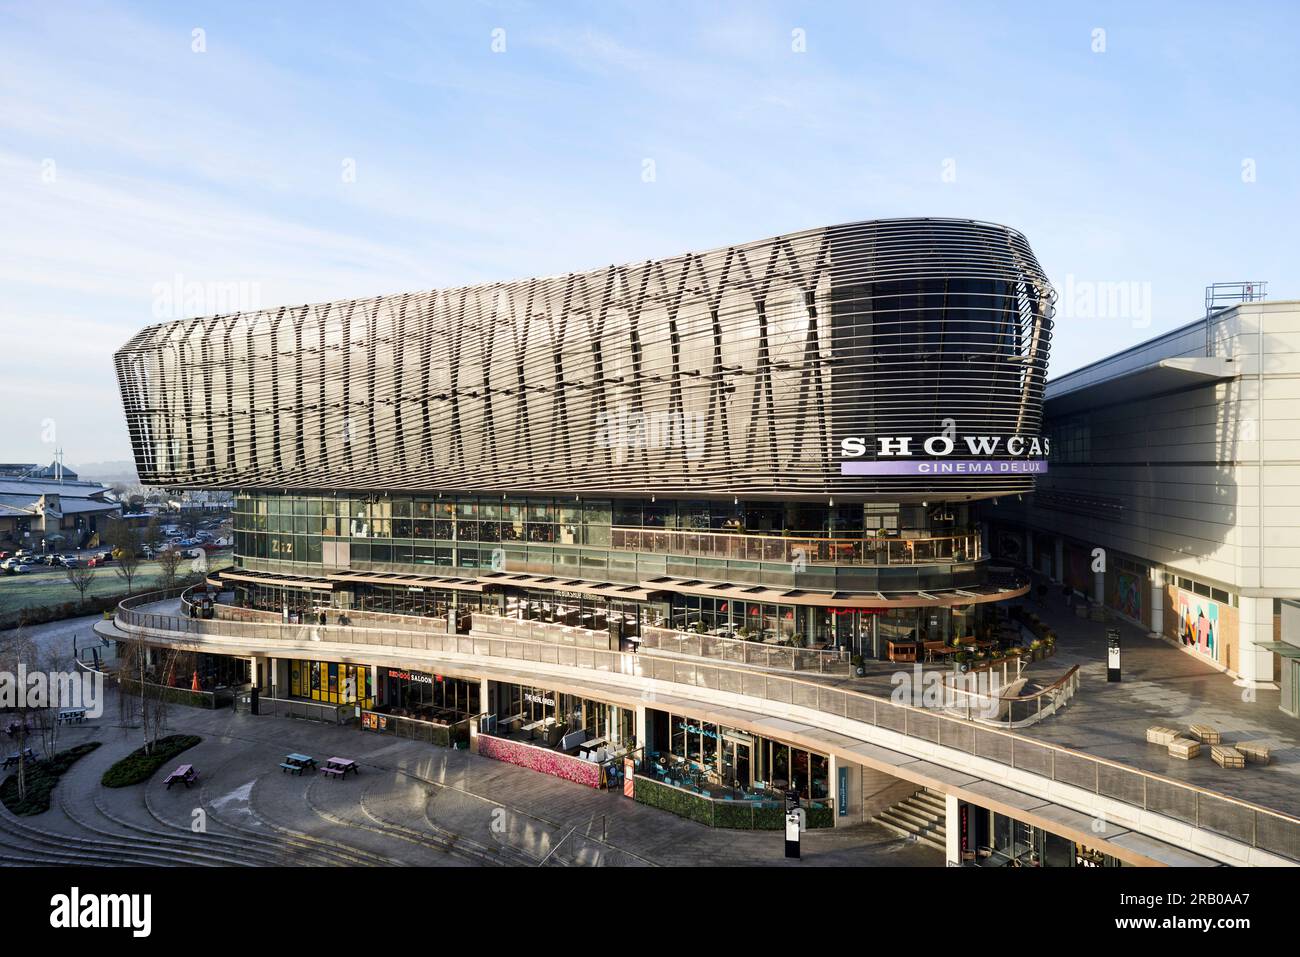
1163,162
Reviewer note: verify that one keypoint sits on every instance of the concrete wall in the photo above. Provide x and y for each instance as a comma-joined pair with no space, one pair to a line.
881,791
1176,480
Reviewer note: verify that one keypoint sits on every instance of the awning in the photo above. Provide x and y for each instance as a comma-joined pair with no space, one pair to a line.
277,581
1282,648
1088,387
627,592
836,599
408,581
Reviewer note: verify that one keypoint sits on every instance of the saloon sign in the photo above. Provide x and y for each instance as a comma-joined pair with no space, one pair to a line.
942,455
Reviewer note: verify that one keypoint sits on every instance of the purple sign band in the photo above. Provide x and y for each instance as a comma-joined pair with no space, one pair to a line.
946,467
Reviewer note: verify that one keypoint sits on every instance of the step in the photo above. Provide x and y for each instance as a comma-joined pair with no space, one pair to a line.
930,803
937,842
910,825
918,818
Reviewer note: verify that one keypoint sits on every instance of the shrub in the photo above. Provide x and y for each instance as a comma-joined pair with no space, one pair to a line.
693,807
41,778
140,765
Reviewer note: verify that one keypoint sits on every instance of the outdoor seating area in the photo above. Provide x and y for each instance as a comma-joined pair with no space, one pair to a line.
72,715
434,713
689,776
544,733
338,768
297,763
1186,747
185,774
27,753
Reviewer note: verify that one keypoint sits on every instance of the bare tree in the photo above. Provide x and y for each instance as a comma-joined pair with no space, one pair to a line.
128,566
17,648
149,672
80,577
169,561
126,551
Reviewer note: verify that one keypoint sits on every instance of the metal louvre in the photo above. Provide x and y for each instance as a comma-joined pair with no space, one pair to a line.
735,371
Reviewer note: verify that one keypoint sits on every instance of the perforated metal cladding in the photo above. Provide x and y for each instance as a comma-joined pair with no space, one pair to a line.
730,372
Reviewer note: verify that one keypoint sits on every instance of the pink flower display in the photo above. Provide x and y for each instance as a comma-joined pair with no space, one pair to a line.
540,759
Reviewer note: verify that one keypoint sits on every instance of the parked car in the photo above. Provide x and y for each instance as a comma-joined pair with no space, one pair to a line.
19,568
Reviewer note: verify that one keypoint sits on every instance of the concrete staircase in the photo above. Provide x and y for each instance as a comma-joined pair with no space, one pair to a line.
921,816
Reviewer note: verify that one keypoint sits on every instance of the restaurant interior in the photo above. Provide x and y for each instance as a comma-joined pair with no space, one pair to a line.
582,727
731,764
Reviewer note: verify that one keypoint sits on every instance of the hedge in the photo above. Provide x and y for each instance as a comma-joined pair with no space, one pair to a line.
193,699
736,815
41,778
140,765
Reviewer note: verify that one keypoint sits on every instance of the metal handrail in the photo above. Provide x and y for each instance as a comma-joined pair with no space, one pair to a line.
1256,826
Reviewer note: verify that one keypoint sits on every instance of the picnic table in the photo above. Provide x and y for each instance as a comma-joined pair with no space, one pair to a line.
185,774
72,714
297,763
337,767
15,758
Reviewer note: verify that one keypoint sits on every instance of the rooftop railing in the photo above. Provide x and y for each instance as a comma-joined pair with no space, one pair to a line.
902,549
1249,824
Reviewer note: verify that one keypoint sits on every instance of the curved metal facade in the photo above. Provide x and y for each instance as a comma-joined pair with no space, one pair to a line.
733,372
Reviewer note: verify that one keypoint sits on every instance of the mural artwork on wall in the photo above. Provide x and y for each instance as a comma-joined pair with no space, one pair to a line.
1198,624
1128,595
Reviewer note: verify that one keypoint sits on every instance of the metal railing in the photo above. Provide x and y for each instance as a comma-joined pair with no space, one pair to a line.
741,652
312,710
1014,711
1247,823
675,642
742,546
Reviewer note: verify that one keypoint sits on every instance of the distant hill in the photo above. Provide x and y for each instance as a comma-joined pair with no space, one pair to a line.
108,472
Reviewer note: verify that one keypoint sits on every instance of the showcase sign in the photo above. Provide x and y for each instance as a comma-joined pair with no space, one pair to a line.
942,455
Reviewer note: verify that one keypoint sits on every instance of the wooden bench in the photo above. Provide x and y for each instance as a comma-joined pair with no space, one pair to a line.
1256,752
295,768
335,773
1206,734
1161,736
1226,757
1184,748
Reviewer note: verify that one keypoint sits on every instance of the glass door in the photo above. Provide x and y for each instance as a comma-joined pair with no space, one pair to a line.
736,763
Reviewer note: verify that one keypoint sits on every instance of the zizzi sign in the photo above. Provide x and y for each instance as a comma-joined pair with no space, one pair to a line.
901,455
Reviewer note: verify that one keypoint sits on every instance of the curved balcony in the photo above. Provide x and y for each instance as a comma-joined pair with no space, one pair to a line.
933,747
877,551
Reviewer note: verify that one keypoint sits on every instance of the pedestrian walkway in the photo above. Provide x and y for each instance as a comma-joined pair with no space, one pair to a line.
1162,685
412,803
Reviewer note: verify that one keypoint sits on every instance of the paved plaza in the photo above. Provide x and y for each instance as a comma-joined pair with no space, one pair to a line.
1163,685
411,804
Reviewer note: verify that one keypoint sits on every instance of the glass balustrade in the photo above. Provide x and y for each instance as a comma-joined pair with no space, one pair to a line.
892,550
